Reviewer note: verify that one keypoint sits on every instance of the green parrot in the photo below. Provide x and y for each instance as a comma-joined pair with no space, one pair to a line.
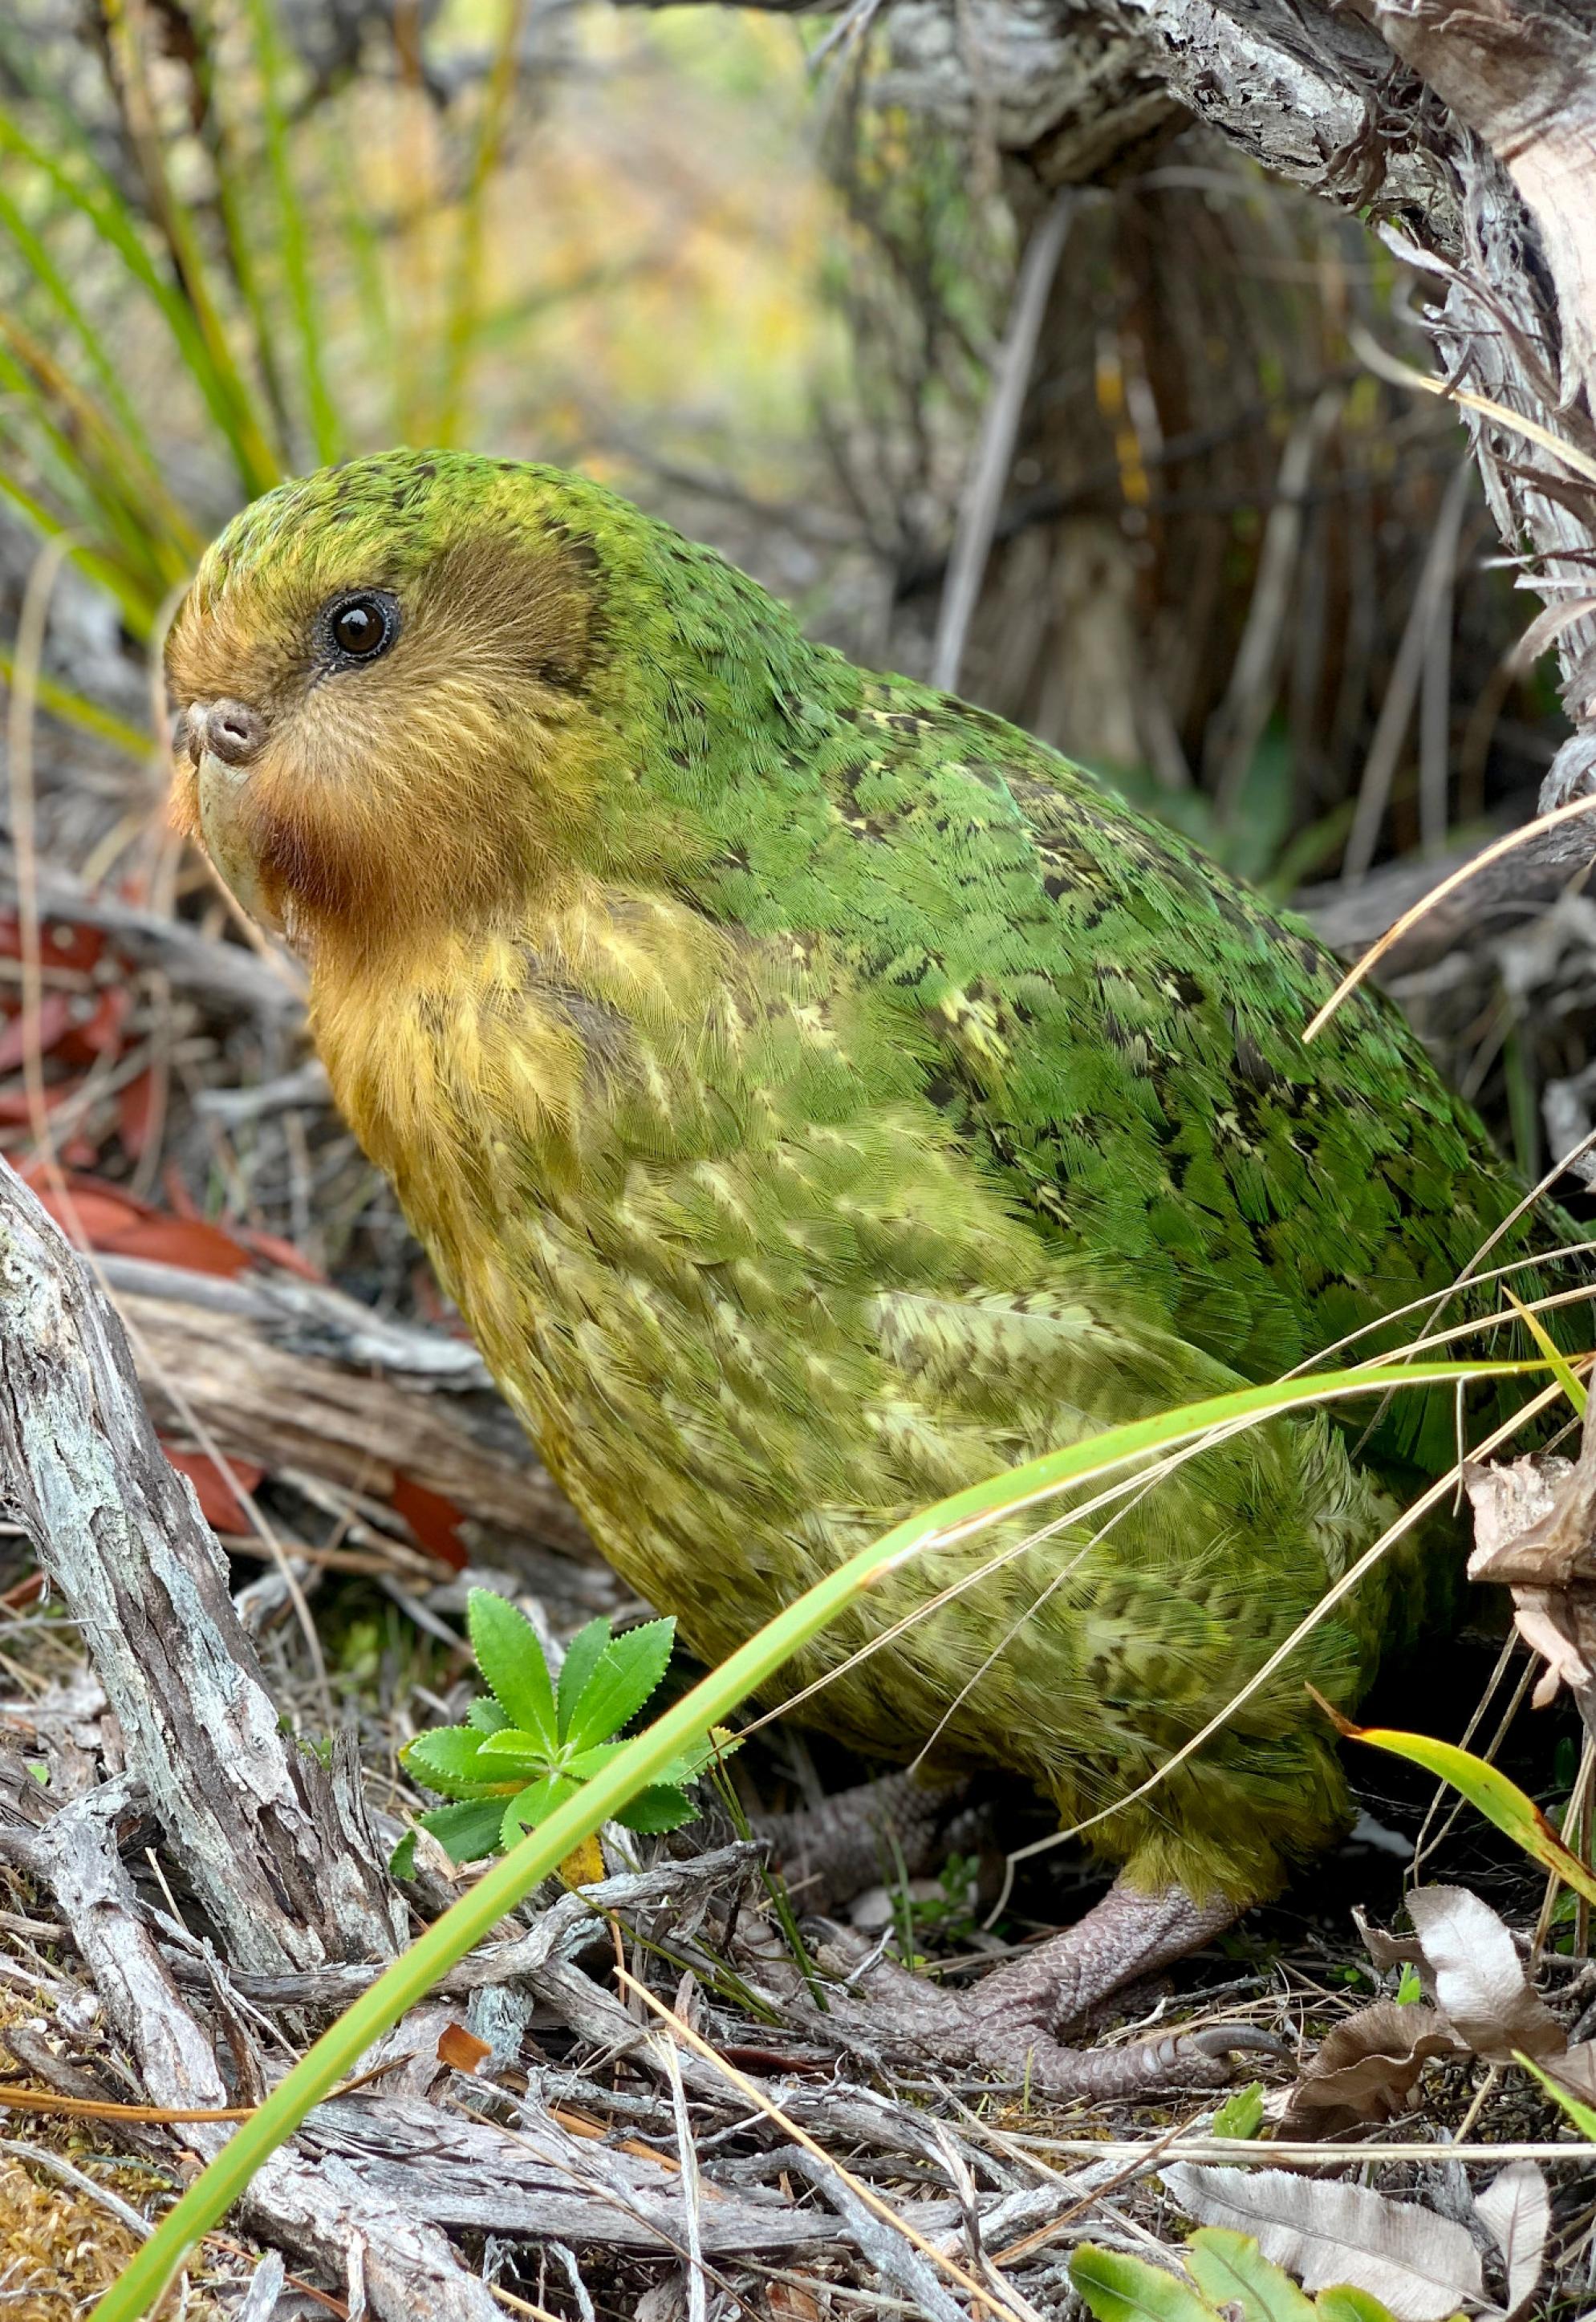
819,1095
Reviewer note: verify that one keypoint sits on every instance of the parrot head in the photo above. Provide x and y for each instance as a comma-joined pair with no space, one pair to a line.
380,687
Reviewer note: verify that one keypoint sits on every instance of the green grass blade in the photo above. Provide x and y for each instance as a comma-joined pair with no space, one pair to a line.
1582,2115
1484,1786
327,430
97,471
1562,1369
466,306
237,175
134,603
257,462
116,228
77,709
42,269
643,1760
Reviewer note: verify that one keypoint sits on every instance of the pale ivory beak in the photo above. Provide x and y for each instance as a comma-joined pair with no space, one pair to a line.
220,802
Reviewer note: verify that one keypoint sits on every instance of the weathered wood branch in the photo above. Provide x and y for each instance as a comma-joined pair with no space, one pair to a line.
324,2211
277,1847
297,1377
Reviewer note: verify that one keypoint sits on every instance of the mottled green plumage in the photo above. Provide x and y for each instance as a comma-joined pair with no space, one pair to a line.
819,1095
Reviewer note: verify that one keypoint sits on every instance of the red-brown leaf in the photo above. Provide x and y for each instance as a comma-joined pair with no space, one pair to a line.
215,1490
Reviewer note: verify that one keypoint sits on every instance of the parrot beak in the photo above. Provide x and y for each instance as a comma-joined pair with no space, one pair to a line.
222,790
224,739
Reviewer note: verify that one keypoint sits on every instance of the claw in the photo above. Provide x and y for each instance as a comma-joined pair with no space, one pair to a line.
1226,2039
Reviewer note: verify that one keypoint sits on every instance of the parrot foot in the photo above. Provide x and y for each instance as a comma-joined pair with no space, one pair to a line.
1014,2018
899,1825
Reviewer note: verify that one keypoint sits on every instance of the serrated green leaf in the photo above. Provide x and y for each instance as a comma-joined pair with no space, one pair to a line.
401,1862
510,1658
661,1807
1121,2288
486,1714
447,1760
1231,2270
511,1747
1342,2303
589,1761
468,1831
1241,2112
623,1676
582,1657
534,1805
1582,2115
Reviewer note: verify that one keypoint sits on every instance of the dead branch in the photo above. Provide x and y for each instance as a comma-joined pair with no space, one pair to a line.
323,2211
279,1849
295,1376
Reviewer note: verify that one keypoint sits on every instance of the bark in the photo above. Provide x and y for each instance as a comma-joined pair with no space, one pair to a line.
1464,128
324,2211
278,1848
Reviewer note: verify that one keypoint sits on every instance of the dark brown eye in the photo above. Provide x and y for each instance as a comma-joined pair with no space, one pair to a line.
362,627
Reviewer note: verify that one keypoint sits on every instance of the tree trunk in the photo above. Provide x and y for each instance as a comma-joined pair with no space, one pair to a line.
1464,129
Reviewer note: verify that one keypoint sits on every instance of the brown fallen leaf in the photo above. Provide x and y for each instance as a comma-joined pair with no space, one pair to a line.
1534,1533
1480,1986
1388,1951
461,2050
1367,2068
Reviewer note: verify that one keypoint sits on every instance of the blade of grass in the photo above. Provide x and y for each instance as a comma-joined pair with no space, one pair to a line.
464,315
43,271
1499,1800
237,175
1562,1369
129,500
1582,2115
134,602
259,467
710,1702
327,430
78,709
117,229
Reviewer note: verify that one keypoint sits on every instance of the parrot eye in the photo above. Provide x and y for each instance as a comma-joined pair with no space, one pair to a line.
360,627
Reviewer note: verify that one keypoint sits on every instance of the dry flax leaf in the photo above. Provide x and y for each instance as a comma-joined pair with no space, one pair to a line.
1418,2265
1480,1986
1387,1951
1366,2070
1534,1533
1517,2210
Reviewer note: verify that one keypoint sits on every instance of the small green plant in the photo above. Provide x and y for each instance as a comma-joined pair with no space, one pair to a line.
1241,2112
531,1742
1233,2279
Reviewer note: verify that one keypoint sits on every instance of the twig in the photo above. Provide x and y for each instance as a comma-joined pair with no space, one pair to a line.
756,2096
1395,711
1365,967
978,515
